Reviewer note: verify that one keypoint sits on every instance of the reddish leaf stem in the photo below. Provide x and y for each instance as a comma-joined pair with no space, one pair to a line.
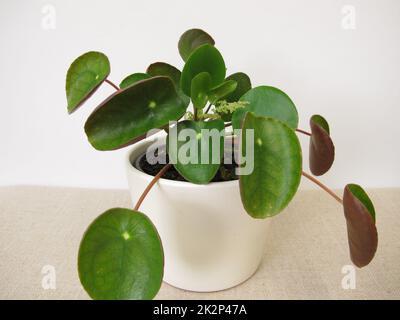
151,184
112,84
324,187
303,132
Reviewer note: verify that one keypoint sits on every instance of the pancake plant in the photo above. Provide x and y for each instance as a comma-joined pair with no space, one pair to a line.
121,254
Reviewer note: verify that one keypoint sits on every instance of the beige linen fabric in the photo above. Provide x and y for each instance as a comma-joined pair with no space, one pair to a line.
305,253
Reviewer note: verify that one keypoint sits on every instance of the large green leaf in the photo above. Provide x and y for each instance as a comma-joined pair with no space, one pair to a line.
243,85
196,149
192,39
133,78
361,229
268,189
165,69
205,58
221,91
127,115
322,150
84,76
121,256
269,102
201,85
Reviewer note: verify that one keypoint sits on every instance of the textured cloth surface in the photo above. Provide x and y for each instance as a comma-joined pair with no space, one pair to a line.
306,247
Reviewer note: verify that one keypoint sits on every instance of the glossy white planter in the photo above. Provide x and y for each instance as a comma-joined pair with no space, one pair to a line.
210,243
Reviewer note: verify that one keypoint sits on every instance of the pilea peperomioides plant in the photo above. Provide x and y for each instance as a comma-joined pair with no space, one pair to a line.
121,255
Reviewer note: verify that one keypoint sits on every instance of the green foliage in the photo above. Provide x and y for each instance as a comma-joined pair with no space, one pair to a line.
192,39
165,69
362,196
269,102
84,76
128,115
222,90
121,255
133,78
277,166
200,88
197,158
322,150
205,58
243,85
361,229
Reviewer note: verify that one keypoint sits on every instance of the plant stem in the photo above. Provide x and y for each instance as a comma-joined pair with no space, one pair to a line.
151,184
303,132
324,187
228,124
112,84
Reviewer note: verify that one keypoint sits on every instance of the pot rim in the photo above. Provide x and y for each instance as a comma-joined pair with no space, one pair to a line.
167,182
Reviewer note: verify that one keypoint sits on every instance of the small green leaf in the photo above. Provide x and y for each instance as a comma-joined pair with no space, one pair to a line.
196,149
269,102
192,39
127,115
277,160
322,150
361,229
133,78
222,90
165,69
121,257
201,84
243,85
205,58
84,76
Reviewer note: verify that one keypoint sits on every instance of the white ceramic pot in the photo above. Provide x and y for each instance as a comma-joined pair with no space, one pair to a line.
210,243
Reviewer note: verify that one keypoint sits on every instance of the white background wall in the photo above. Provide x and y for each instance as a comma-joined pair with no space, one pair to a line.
349,76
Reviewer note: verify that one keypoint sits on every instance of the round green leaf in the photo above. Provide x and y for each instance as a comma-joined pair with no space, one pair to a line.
243,85
84,76
270,102
165,69
127,115
277,160
201,85
192,39
133,78
121,257
322,150
196,153
222,90
361,229
205,58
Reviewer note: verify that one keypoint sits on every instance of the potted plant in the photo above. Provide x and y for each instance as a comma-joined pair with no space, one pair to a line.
222,170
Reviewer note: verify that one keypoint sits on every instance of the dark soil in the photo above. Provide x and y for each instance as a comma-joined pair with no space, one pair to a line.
226,172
